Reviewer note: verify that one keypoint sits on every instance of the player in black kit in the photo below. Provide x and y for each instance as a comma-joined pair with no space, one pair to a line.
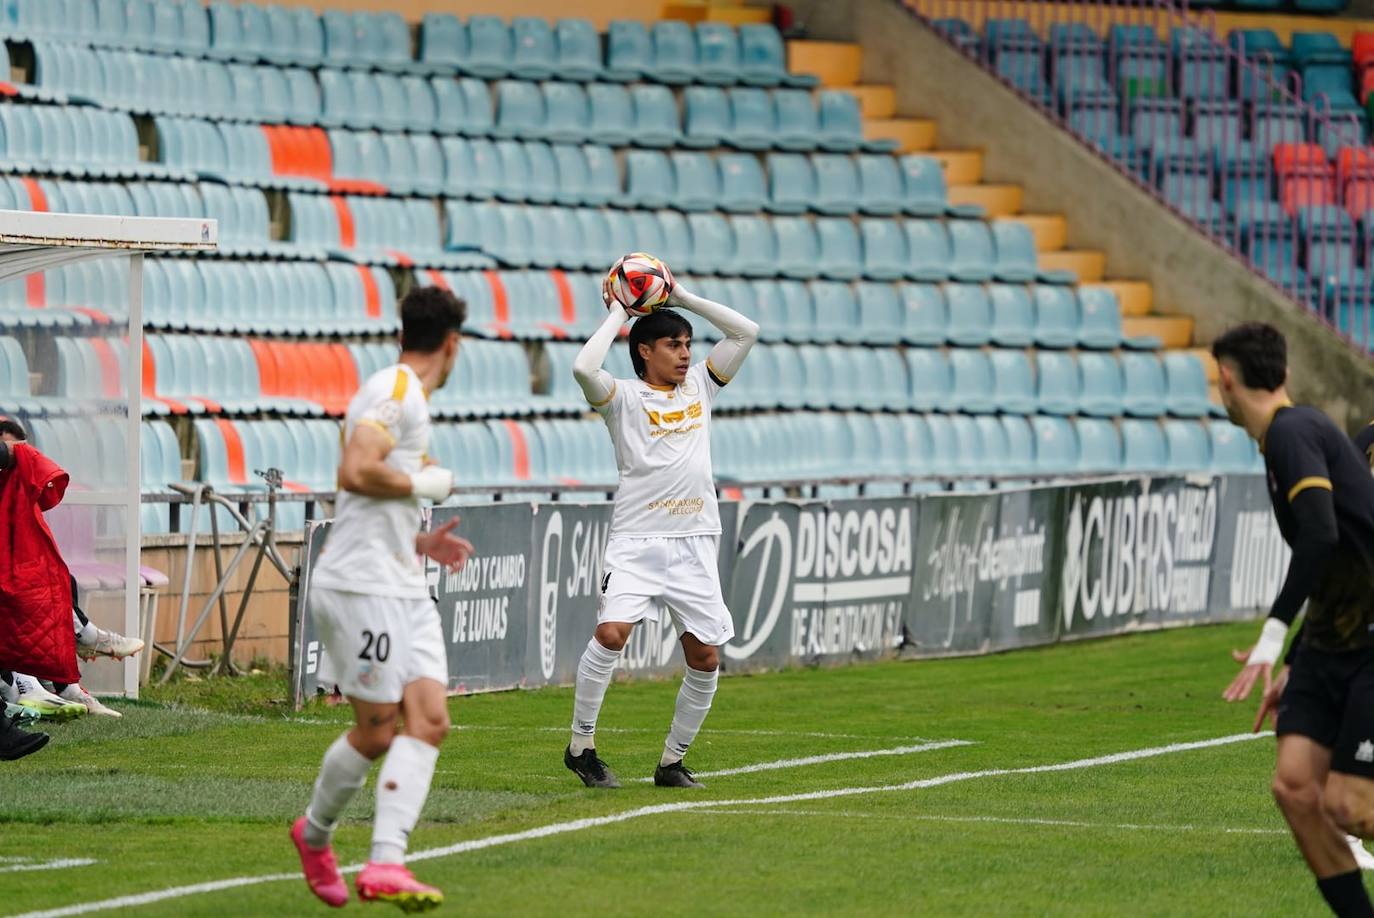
1323,498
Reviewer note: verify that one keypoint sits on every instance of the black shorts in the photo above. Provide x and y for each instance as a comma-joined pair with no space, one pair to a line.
1329,699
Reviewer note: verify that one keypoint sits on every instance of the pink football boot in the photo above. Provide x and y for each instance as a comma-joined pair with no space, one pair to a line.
394,883
321,870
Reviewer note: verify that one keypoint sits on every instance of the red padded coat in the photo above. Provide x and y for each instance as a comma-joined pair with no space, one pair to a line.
36,635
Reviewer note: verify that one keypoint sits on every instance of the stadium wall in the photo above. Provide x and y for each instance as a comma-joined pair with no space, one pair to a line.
1142,238
830,582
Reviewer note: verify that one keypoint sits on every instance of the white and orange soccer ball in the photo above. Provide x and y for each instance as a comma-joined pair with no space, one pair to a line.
639,282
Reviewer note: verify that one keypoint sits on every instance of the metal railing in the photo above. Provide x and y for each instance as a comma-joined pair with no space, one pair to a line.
1219,129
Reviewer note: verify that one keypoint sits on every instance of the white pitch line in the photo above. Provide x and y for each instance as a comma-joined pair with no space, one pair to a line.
829,757
50,865
1001,820
592,822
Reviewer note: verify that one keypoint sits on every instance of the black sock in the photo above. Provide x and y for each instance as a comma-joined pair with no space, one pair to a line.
7,676
1346,895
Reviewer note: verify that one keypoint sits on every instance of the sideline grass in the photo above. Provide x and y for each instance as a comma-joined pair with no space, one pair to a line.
174,795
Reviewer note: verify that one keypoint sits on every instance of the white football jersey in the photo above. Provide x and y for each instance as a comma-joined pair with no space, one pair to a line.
371,545
662,441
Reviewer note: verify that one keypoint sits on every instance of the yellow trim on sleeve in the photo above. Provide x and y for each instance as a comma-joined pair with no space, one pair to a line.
398,391
379,426
718,376
1312,481
608,400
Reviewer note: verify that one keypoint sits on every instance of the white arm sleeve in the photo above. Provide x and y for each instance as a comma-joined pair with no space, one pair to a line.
598,385
740,333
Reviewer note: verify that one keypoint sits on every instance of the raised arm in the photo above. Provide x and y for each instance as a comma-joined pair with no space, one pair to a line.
598,385
740,332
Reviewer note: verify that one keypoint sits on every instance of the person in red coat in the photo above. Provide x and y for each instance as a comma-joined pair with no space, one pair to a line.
15,742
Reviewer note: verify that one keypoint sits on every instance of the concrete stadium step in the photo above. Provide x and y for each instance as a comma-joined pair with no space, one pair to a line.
1136,297
996,200
701,11
914,135
1174,331
876,100
1087,264
1051,231
962,167
836,63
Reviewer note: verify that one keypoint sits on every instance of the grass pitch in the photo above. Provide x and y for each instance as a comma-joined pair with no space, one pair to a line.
175,796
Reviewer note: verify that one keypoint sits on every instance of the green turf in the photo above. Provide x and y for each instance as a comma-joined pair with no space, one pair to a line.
174,795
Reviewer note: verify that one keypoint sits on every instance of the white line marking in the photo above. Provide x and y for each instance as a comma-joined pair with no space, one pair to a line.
577,825
50,865
850,590
1028,821
831,757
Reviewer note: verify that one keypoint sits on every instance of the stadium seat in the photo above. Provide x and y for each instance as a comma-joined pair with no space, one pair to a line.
798,249
1056,446
519,110
762,56
696,180
567,113
1099,385
885,252
1057,383
798,124
1232,450
881,317
930,378
1186,386
836,184
837,312
656,122
443,40
1099,446
1144,446
1189,446
880,186
707,119
1014,384
840,254
489,48
840,123
926,314
1144,389
629,51
970,315
718,53
1013,315
579,50
674,57
742,187
713,244
612,114
649,179
791,183
928,254
533,49
971,251
752,119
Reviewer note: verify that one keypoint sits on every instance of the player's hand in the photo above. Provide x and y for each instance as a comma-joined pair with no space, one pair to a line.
1240,687
440,545
1243,656
1269,701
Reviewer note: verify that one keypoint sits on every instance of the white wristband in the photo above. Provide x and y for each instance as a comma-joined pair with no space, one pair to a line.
433,482
1270,643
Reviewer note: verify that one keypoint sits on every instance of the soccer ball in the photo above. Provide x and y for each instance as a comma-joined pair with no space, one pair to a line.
639,282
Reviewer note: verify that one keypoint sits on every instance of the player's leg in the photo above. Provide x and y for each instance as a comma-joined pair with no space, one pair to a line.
630,584
1309,724
699,610
374,689
404,780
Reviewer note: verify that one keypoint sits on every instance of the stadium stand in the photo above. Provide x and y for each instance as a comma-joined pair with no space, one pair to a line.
908,310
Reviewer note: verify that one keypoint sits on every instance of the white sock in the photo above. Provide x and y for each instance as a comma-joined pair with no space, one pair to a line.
341,774
594,672
85,633
693,703
402,788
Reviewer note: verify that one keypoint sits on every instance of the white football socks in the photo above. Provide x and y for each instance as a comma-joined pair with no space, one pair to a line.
402,788
594,673
85,631
343,771
693,703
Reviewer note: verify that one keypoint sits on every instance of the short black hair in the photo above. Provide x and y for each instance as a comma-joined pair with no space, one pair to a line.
428,314
1259,351
661,323
12,427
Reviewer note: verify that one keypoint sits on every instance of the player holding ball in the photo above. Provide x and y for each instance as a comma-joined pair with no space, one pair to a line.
665,528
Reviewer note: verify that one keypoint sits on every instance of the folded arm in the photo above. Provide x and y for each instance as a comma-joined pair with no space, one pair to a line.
740,333
598,385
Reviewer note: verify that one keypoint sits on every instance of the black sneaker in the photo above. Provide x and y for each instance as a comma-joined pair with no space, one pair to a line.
16,743
589,768
676,775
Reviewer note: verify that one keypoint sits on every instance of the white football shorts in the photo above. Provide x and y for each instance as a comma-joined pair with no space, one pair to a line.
642,577
377,645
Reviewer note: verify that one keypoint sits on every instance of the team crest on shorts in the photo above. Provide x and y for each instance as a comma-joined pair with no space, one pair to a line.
368,677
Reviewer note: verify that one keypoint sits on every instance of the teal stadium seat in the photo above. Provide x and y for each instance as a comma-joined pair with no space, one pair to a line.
443,40
1013,315
629,51
1056,446
931,379
1144,388
1057,383
534,54
489,48
884,250
612,114
1057,318
837,184
970,315
971,250
758,253
742,187
1189,445
1187,386
567,112
1100,385
579,50
880,312
519,110
798,248
798,123
674,58
649,179
1099,446
840,254
928,250
1144,446
707,119
791,183
696,181
717,53
1014,382
752,119
880,186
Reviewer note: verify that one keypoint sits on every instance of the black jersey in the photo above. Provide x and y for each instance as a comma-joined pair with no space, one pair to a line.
1364,441
1304,449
